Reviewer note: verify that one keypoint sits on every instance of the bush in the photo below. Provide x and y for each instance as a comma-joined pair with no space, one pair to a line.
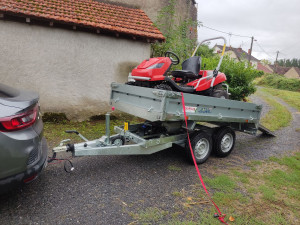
239,76
280,82
178,37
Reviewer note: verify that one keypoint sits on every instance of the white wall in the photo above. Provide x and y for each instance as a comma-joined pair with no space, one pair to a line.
72,70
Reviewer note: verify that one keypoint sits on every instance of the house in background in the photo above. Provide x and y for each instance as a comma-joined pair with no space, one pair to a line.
281,70
288,72
236,53
293,72
264,68
71,51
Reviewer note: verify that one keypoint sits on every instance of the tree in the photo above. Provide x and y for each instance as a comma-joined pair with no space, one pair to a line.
205,51
178,38
265,62
289,62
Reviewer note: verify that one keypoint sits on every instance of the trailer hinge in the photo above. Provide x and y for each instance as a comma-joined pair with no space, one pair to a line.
169,94
159,93
115,85
259,106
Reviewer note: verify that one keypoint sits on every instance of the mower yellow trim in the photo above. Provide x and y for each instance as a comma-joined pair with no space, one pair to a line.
223,51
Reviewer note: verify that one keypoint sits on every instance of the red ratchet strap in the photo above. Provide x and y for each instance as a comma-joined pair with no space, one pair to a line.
220,216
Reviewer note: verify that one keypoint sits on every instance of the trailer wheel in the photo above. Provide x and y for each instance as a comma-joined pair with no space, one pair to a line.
117,140
224,141
202,146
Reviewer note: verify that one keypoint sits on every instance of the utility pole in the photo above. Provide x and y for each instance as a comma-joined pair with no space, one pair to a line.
252,38
229,38
276,57
276,62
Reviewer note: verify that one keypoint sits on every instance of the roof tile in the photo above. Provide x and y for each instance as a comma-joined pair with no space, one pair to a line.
87,13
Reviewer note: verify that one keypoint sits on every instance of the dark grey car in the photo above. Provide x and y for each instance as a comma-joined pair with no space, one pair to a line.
23,149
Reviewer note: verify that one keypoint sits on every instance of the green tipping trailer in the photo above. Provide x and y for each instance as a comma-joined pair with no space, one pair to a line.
211,124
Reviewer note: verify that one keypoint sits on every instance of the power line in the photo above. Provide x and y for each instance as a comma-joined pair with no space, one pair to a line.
238,35
263,50
228,33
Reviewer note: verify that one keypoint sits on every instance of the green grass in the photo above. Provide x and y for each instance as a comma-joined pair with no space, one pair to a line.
267,192
290,97
55,131
149,215
241,176
174,168
177,194
278,116
221,182
270,195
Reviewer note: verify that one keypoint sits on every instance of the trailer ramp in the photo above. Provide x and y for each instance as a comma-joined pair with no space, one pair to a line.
265,130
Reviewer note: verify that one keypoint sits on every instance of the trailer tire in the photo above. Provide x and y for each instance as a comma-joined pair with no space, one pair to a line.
118,140
202,147
224,141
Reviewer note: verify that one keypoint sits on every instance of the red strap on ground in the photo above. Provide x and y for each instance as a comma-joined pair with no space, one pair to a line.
221,217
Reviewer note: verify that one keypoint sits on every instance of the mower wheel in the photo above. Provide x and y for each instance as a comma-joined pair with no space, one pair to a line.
224,140
163,87
220,94
201,144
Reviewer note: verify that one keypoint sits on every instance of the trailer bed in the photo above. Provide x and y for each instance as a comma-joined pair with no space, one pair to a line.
161,105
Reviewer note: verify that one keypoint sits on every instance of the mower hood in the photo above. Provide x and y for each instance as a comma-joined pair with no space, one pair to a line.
152,61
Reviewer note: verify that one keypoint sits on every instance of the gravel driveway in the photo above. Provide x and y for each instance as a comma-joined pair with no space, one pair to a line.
105,189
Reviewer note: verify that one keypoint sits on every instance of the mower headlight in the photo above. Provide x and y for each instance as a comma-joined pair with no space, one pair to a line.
156,66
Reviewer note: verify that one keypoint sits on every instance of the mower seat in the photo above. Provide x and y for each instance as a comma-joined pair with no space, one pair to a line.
190,68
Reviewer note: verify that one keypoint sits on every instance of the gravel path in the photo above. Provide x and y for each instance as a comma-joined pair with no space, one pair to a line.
105,189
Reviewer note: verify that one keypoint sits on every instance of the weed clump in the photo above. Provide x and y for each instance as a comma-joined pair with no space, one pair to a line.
55,117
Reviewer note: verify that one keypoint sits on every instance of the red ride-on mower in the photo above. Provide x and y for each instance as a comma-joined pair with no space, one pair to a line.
154,73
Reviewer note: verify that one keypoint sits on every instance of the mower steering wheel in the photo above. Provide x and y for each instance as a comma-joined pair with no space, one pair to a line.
172,54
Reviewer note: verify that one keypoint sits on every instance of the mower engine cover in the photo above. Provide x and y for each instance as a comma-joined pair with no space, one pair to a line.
153,68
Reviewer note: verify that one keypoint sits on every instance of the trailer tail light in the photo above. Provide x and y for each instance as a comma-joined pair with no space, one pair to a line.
19,121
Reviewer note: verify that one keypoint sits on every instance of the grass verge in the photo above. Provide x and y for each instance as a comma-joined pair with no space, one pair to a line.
268,195
290,97
278,117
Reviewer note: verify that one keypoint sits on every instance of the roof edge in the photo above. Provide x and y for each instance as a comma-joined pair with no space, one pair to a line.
46,22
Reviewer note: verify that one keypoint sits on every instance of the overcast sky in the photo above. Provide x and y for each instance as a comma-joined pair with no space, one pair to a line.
275,24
